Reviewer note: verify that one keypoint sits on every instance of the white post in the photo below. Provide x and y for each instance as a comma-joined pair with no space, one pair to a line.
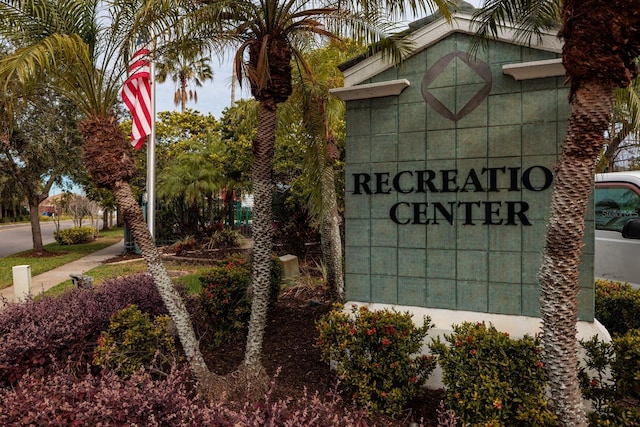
151,159
21,282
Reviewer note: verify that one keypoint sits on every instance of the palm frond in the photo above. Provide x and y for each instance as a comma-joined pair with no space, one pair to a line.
530,18
627,102
81,45
47,55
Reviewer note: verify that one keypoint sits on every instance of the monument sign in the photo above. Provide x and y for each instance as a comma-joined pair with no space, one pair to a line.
449,174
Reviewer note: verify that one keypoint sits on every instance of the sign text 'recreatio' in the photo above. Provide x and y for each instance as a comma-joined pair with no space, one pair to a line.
497,179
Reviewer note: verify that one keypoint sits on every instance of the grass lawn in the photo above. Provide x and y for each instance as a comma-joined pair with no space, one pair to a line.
101,273
107,271
64,255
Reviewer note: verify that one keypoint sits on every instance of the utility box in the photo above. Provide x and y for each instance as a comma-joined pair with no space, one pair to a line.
21,282
290,266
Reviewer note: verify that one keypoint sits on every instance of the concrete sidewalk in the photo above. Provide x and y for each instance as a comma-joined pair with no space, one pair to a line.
45,281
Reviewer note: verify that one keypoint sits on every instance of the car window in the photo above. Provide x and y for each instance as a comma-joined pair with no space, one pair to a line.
614,206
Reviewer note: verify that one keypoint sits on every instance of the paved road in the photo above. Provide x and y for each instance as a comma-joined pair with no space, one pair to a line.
16,238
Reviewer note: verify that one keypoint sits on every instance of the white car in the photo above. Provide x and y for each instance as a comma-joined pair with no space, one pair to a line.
617,221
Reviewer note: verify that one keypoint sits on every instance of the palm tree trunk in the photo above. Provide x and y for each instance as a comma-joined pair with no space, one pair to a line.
183,94
559,282
330,235
133,216
112,168
263,145
601,40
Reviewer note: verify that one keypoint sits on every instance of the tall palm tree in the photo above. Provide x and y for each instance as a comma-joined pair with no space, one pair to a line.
266,35
320,112
186,67
82,47
322,117
601,41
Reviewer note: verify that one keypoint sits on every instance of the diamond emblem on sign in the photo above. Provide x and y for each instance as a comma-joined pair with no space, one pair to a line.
480,68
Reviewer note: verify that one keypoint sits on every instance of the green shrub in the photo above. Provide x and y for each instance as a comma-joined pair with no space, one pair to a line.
626,365
225,296
595,382
375,355
617,306
491,379
75,235
134,341
225,238
277,271
610,378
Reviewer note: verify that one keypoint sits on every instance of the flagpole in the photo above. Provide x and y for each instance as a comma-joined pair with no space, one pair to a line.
151,158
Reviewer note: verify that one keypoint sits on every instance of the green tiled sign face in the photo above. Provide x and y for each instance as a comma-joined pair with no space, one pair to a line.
448,184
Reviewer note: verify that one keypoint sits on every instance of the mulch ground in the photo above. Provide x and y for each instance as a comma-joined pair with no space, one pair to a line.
289,348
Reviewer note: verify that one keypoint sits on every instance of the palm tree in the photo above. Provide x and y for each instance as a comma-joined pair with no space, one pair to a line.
71,44
190,178
601,41
185,66
318,106
322,117
266,35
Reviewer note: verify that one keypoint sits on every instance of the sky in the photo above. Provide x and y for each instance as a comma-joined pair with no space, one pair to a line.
214,96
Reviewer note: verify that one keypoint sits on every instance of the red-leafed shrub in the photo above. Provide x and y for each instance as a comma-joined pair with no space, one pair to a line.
34,333
61,399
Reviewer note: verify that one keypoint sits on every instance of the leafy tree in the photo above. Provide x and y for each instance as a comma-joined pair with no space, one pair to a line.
10,197
219,163
82,47
42,145
601,42
103,197
266,35
173,129
3,194
239,126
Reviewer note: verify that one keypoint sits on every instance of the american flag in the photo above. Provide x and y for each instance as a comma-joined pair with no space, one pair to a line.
136,95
